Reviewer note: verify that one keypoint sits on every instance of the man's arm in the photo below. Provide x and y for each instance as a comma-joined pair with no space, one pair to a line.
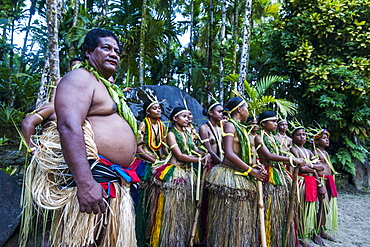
72,103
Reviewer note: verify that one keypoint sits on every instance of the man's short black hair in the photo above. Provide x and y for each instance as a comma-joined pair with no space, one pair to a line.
91,40
74,60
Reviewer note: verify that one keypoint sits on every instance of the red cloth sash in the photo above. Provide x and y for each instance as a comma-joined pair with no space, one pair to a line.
311,188
109,186
330,183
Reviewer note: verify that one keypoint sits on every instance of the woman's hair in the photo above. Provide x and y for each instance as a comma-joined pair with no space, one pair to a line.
250,119
266,115
210,108
175,111
232,103
146,105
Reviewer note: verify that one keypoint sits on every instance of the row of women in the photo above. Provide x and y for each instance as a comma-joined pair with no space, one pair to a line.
173,209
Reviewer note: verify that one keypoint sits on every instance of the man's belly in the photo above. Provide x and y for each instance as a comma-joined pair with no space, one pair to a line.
114,138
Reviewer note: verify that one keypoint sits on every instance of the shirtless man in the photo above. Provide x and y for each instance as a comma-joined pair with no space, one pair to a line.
81,96
44,114
308,177
330,194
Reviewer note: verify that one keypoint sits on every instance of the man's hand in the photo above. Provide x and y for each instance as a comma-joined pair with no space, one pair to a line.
91,198
322,189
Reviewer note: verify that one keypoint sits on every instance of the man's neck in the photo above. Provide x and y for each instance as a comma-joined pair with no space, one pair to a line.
283,133
299,145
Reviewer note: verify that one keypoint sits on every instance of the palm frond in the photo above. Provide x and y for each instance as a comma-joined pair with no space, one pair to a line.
231,77
286,107
265,82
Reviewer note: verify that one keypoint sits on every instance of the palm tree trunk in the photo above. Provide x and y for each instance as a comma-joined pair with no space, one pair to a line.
222,50
51,68
235,34
75,13
243,69
191,50
142,43
24,48
210,51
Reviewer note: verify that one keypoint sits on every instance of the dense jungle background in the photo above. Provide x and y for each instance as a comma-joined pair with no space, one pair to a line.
320,49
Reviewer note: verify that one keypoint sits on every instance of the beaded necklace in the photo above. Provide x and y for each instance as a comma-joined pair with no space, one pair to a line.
149,138
183,140
117,96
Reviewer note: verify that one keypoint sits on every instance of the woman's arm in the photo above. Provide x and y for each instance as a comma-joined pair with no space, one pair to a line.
171,141
204,135
230,155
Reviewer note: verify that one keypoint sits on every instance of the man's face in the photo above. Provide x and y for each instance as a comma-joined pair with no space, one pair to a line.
323,141
283,126
299,137
105,57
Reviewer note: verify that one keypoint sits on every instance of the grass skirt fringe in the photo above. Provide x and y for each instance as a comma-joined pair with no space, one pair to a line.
307,213
232,209
172,206
276,199
140,193
69,226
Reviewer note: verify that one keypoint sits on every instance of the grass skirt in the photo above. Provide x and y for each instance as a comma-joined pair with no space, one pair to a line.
140,193
276,199
172,204
70,227
232,210
307,213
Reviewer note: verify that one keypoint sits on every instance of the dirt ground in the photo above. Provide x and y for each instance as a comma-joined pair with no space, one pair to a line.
354,220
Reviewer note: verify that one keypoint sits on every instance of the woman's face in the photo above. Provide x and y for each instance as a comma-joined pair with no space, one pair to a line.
270,125
243,112
154,111
182,119
216,113
190,117
254,123
299,137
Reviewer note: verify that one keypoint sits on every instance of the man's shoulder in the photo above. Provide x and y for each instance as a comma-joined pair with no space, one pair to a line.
79,76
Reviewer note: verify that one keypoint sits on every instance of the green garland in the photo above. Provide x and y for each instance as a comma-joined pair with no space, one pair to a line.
117,96
244,141
272,147
184,147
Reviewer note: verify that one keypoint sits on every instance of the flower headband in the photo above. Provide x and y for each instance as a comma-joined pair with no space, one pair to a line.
321,134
